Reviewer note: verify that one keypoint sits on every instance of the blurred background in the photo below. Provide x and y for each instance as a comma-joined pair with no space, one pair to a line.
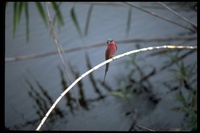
154,90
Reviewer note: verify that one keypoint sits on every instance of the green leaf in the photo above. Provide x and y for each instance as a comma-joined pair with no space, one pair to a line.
128,21
42,13
15,17
192,120
181,99
118,94
18,7
19,13
27,21
194,102
178,109
192,69
129,95
131,74
88,20
74,18
123,87
174,70
55,17
58,13
183,69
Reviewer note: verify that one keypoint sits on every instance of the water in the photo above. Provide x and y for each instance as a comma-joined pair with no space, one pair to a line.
31,86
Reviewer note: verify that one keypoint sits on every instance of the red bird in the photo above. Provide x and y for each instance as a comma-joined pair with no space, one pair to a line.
110,52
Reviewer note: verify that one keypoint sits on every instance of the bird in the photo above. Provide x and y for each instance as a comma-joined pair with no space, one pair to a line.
110,52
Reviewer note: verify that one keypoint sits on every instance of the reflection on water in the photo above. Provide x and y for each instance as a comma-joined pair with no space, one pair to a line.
43,100
68,95
91,77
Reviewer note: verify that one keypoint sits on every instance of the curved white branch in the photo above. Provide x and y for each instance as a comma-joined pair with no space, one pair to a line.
103,63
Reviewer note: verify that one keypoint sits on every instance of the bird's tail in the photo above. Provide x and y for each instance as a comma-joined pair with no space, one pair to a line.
107,65
104,77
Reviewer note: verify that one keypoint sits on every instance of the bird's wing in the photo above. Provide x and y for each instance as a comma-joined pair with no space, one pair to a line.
107,54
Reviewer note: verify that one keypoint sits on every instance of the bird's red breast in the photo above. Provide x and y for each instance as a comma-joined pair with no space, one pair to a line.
111,49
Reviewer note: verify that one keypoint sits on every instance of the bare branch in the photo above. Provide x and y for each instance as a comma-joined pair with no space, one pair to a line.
176,13
154,14
25,57
141,5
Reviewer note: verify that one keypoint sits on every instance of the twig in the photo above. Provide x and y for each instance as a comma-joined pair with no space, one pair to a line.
178,58
25,57
105,62
148,129
57,44
154,14
121,4
176,13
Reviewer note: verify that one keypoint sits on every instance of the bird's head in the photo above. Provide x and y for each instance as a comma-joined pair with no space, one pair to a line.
109,41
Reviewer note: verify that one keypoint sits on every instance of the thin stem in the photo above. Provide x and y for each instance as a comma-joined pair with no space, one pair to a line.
105,62
121,4
25,57
57,44
176,13
148,129
154,14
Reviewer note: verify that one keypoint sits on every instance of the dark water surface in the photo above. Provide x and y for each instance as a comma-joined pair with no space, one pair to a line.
31,86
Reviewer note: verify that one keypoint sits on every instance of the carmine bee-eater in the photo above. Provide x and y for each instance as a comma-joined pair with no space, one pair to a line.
110,52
